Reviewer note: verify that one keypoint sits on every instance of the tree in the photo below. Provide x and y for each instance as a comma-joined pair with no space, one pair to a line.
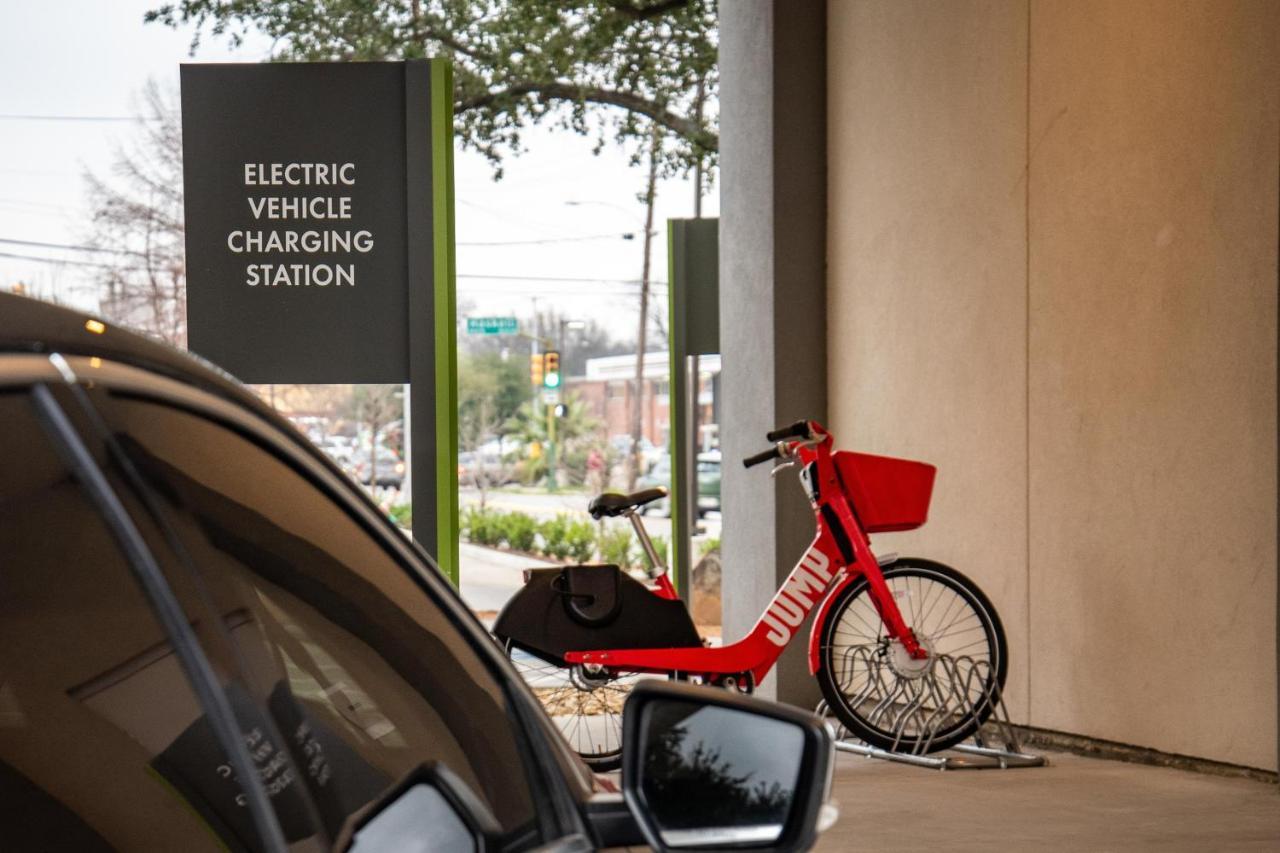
575,431
490,392
376,406
630,67
137,222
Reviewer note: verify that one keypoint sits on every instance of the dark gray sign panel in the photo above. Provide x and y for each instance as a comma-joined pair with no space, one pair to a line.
319,230
296,221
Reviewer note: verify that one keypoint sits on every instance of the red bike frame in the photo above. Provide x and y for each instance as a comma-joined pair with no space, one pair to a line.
839,554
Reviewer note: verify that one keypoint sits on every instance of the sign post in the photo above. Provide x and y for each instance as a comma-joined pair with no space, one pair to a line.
320,242
694,276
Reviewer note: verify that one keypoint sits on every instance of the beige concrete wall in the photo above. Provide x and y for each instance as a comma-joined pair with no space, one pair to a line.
1053,240
927,274
1153,373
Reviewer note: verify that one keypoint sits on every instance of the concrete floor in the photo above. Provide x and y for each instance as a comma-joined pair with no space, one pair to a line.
1075,803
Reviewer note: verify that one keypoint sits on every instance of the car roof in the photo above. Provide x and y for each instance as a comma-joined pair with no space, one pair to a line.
30,326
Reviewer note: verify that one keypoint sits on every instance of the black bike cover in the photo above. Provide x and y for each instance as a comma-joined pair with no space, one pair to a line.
541,618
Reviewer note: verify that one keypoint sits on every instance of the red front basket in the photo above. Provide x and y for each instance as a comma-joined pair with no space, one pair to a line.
888,494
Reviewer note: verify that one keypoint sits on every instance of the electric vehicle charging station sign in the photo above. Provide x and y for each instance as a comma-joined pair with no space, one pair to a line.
296,179
319,232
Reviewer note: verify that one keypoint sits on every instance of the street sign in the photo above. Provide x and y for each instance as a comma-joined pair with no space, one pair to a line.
493,326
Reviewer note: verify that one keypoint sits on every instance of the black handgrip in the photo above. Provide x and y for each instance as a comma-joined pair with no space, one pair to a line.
764,456
799,429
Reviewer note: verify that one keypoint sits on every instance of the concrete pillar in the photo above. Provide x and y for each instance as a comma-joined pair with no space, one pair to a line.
772,297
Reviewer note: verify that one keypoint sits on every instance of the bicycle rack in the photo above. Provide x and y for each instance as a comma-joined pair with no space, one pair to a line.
955,688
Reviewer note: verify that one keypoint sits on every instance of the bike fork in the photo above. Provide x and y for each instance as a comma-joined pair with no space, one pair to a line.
885,604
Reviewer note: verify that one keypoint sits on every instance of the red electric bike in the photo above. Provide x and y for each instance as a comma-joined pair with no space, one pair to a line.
909,653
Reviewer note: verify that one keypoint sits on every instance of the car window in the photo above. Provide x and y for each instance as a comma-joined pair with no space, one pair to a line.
94,707
361,675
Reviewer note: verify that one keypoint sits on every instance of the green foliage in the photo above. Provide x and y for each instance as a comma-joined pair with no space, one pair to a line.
562,537
581,539
481,526
519,531
402,515
490,392
710,545
617,547
532,469
662,547
598,67
555,542
576,431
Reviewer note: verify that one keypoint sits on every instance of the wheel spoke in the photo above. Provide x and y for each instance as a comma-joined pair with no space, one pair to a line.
883,696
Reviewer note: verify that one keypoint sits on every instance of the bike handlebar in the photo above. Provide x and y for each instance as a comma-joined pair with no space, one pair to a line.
764,456
799,429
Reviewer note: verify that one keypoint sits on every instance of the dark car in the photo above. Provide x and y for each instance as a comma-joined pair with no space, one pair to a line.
708,483
211,639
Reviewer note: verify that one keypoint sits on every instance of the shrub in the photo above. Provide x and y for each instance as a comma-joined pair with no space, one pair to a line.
581,539
481,526
710,545
519,531
402,515
616,547
661,547
532,471
555,542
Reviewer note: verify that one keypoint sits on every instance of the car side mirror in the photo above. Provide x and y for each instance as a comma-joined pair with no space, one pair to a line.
704,768
430,810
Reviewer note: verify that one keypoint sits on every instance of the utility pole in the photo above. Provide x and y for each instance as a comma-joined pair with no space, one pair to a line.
698,99
637,398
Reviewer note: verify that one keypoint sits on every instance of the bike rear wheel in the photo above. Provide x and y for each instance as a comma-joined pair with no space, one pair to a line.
893,702
585,706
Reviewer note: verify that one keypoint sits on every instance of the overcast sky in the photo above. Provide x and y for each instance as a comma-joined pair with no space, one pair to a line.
88,59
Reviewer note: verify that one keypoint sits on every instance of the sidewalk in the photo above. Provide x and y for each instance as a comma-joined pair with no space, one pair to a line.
1074,804
490,577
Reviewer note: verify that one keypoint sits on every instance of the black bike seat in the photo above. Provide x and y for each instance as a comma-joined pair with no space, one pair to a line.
613,504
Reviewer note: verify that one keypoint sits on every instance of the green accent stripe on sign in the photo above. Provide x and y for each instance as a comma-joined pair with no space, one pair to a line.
675,401
445,318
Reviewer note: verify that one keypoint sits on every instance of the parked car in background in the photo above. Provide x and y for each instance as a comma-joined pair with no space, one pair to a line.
212,639
486,464
388,467
338,448
708,484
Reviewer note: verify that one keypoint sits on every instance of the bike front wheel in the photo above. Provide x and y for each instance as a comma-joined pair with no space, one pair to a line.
586,706
888,699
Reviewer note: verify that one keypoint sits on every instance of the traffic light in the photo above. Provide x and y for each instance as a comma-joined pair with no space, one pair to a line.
535,368
551,369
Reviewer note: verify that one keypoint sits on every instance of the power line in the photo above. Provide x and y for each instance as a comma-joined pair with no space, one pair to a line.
632,281
17,117
70,247
57,261
626,235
